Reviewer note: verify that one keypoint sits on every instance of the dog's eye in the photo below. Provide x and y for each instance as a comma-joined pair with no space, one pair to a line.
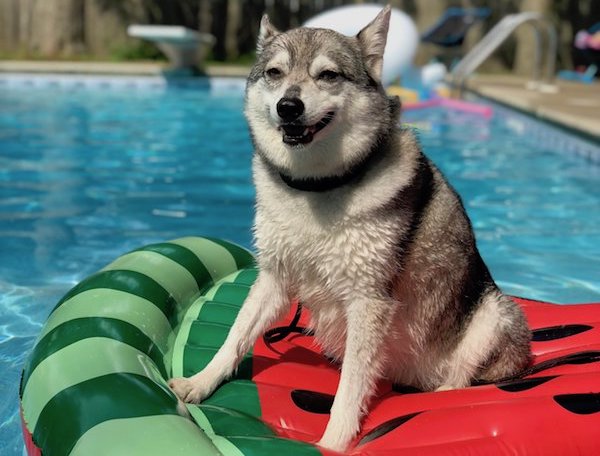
274,73
329,75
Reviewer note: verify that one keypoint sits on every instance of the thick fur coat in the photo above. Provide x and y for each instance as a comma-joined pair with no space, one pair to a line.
355,222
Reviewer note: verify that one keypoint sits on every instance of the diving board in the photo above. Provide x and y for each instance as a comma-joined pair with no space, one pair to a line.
180,44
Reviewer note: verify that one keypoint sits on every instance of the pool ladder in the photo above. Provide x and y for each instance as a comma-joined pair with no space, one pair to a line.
497,35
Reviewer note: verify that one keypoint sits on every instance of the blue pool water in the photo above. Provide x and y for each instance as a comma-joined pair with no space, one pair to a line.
89,173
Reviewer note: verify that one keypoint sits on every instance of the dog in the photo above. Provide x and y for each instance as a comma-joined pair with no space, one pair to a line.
357,224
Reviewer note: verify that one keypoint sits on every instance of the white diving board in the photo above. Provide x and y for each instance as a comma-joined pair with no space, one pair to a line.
180,44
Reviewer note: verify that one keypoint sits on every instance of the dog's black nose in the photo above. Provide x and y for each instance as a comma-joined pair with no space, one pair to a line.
290,109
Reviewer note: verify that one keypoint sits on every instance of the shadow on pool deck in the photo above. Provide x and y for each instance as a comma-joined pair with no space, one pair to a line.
575,105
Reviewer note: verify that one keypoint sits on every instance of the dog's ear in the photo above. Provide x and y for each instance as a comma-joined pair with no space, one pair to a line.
372,41
266,32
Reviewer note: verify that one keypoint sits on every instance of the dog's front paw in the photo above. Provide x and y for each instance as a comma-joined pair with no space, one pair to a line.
335,438
332,444
444,387
189,390
455,384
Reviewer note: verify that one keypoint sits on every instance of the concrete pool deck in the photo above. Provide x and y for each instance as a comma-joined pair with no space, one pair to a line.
110,68
575,106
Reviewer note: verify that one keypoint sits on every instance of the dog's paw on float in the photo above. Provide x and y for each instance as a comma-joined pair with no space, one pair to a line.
335,446
180,386
445,387
187,390
336,439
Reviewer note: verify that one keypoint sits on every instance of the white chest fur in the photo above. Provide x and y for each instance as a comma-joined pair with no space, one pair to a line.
327,247
330,247
320,249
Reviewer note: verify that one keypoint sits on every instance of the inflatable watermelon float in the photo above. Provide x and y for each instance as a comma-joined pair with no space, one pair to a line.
96,380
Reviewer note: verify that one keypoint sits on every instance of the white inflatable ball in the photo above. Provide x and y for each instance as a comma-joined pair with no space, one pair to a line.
432,74
402,40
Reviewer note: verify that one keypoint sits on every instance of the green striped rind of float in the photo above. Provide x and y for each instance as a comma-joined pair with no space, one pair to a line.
206,323
136,436
98,363
235,433
231,416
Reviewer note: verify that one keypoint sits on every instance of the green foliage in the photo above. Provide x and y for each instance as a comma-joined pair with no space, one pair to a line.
243,59
141,50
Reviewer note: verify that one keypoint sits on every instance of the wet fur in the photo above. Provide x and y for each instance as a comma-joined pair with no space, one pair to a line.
387,263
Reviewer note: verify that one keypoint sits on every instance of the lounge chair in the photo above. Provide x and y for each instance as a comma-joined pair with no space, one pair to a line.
180,44
450,30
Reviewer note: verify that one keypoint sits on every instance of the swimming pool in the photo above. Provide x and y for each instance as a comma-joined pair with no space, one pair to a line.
90,168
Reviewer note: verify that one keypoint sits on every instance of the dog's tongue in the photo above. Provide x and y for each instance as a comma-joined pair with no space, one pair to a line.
294,134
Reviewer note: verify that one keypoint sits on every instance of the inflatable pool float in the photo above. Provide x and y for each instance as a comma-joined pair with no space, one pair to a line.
402,39
477,109
96,380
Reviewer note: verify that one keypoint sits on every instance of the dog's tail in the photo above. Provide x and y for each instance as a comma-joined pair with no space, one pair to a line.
584,357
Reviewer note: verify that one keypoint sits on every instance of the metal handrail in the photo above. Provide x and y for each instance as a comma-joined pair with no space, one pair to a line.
498,34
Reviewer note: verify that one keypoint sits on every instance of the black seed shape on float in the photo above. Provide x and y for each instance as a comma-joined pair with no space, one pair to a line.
558,332
586,357
405,389
581,404
516,386
313,402
387,427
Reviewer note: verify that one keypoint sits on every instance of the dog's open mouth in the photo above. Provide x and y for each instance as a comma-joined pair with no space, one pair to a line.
294,134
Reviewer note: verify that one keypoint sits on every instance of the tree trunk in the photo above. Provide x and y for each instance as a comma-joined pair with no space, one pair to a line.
204,17
526,43
106,25
9,25
232,26
56,27
428,13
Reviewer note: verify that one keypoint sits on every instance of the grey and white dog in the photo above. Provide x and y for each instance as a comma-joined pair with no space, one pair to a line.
355,222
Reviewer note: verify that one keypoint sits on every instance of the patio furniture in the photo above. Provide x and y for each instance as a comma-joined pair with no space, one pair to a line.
452,27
